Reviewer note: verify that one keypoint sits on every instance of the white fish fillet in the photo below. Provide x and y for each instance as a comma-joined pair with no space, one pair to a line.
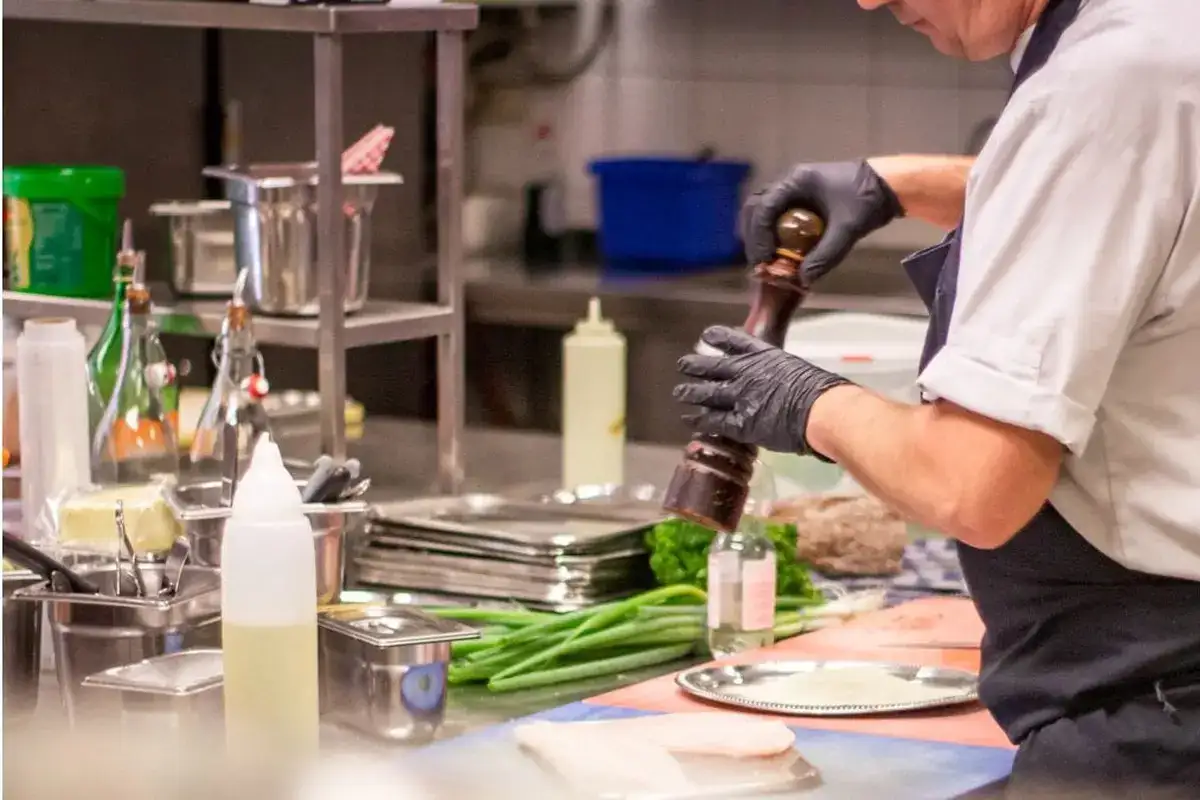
637,755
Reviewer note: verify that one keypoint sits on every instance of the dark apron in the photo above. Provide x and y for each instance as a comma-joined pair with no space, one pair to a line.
1092,668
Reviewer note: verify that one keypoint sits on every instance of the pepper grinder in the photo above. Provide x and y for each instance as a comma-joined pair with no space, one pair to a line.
712,483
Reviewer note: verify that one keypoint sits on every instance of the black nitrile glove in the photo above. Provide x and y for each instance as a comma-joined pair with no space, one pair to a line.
850,196
753,393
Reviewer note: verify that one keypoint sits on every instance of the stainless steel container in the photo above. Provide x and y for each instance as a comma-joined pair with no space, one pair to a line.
275,234
383,670
197,507
174,694
202,253
92,633
22,648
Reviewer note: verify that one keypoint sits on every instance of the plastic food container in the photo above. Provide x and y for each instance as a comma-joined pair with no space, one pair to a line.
383,669
60,227
661,215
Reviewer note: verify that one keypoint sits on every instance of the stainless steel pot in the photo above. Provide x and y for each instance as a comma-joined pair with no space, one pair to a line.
22,648
202,252
275,234
383,669
197,507
92,633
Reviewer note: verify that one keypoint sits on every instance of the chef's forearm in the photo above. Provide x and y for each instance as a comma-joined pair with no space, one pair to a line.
930,188
938,465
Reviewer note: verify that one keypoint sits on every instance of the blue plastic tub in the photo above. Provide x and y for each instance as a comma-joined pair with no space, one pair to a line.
669,215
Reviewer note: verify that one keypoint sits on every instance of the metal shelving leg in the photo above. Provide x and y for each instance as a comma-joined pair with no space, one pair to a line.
331,350
451,403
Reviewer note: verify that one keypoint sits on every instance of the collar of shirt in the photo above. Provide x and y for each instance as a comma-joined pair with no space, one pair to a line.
1019,51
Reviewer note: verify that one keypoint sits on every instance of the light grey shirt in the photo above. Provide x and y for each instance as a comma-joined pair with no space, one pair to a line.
1078,304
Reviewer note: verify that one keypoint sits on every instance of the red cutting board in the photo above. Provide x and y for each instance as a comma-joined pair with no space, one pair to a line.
872,637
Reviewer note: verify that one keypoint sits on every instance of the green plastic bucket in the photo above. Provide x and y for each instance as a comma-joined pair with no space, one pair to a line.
60,229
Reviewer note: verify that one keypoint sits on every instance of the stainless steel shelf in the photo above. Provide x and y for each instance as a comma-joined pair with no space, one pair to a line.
380,322
399,16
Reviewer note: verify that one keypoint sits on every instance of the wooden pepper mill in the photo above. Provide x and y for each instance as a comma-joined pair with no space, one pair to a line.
711,485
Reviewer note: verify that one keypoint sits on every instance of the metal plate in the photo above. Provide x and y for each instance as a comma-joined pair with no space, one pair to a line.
558,527
880,687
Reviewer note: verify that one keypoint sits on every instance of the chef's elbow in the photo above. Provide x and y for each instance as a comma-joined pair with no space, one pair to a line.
986,524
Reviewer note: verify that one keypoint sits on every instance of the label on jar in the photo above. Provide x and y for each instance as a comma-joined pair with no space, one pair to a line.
741,593
724,585
758,594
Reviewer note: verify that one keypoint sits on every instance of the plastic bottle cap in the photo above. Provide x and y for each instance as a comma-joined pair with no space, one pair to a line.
594,324
267,490
50,329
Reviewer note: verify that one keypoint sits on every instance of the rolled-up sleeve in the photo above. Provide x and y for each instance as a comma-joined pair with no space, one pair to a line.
1072,211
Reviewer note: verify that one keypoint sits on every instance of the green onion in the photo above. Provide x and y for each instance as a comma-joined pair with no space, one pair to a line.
491,616
592,669
607,615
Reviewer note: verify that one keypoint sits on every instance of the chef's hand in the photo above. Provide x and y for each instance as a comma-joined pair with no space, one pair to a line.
753,393
850,197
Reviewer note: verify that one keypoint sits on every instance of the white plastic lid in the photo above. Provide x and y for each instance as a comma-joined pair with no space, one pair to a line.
51,330
267,490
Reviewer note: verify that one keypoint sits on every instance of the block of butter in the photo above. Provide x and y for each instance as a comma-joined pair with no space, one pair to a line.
87,519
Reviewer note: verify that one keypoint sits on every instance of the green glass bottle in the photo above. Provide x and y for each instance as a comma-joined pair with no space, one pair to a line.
104,361
135,440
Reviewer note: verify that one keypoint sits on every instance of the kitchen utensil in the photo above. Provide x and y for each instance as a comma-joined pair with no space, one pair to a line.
201,246
177,559
354,467
22,638
94,632
830,688
197,508
275,234
126,547
322,468
20,552
177,694
711,486
333,487
383,669
355,490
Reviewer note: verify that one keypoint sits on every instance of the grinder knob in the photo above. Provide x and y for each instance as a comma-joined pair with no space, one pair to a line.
798,232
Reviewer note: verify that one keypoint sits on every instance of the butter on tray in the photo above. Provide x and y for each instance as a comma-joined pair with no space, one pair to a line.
87,519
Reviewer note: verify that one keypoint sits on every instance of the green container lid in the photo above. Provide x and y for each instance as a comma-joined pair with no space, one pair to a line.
47,182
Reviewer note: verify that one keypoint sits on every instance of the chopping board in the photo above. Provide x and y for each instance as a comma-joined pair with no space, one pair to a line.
489,764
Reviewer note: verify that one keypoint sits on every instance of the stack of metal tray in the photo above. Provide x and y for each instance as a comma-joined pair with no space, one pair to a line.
561,550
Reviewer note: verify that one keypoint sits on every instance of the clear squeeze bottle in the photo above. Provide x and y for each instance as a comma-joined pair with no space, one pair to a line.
269,615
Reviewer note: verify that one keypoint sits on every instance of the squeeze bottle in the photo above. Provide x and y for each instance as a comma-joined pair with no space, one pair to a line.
593,402
269,615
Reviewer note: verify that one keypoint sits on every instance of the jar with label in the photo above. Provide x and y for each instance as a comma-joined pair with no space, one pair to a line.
741,577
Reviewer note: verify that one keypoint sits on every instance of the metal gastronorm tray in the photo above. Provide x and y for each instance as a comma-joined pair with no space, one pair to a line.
543,527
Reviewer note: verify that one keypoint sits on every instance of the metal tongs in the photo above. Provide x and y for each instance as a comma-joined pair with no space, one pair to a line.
331,482
125,549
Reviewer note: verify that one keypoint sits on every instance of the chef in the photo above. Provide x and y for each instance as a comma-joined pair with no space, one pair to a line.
1060,440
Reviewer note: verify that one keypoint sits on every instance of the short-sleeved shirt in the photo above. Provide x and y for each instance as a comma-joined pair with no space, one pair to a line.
1078,297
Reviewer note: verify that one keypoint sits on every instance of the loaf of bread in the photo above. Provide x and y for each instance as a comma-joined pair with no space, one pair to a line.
846,535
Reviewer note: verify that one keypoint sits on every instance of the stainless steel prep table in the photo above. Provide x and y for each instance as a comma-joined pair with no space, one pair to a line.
401,457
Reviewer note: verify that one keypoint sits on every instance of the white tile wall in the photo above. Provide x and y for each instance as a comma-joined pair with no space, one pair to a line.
769,81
